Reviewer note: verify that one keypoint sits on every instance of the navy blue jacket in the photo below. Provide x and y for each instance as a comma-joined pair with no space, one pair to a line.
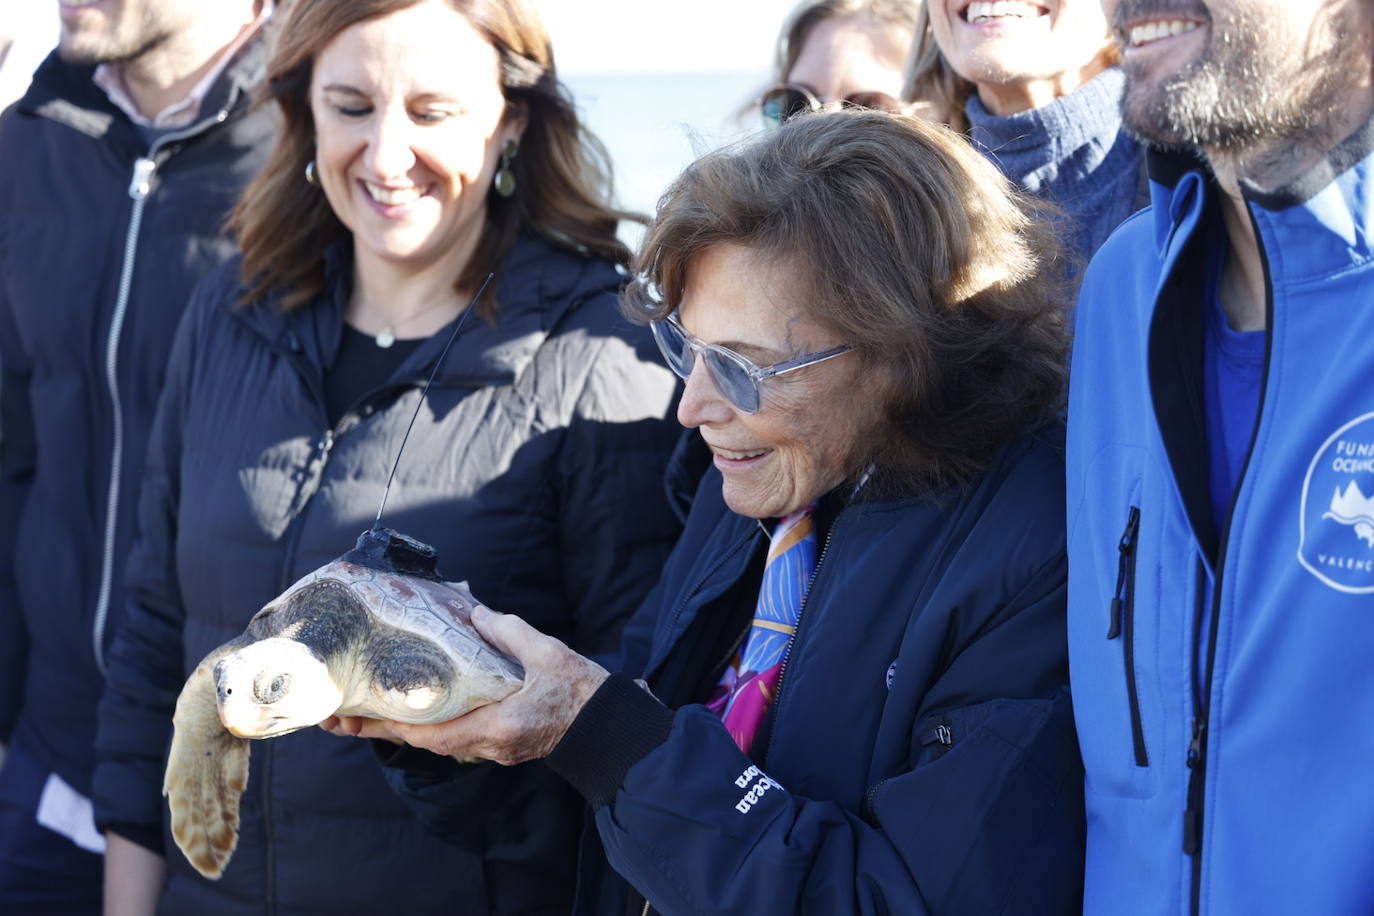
920,755
102,240
534,468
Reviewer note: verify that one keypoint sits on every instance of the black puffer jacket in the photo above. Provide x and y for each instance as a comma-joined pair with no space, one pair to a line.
534,468
101,242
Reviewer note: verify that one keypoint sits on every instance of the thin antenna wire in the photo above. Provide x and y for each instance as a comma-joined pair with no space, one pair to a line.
423,391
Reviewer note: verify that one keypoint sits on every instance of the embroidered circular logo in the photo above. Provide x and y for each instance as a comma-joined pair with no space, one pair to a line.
1337,524
891,673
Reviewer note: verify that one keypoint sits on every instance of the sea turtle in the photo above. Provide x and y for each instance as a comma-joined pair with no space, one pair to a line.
375,633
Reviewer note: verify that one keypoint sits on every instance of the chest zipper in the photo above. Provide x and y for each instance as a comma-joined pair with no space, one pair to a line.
140,185
1207,612
1123,627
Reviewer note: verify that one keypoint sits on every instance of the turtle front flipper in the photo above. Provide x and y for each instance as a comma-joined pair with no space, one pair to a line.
207,771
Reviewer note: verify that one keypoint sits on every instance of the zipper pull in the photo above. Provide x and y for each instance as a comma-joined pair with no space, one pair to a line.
1192,814
1195,745
141,182
1125,547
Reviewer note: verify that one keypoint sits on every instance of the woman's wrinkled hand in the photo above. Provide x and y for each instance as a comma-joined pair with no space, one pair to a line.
526,725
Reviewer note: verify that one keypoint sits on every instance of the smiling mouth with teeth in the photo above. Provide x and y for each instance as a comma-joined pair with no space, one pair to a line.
392,197
738,456
1145,32
980,11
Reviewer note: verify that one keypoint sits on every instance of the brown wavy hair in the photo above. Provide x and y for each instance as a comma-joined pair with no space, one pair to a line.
906,244
563,186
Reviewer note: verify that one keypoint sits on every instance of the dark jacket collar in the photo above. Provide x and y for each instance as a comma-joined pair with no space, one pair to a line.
67,93
1167,168
537,285
1322,221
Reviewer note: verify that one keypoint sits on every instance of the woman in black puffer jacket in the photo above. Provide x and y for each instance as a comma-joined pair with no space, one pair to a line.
534,466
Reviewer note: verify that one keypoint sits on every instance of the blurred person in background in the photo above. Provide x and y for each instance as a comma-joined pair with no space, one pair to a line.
845,51
121,161
855,666
423,144
1035,83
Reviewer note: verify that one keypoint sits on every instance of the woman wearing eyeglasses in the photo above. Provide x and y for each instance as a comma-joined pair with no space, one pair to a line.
851,692
848,51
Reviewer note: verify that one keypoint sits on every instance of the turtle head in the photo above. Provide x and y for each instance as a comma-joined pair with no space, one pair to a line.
272,687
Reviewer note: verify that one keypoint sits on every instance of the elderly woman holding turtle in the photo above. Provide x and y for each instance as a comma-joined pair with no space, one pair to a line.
847,692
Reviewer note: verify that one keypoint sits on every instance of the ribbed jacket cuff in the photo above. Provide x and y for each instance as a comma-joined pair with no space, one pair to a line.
618,727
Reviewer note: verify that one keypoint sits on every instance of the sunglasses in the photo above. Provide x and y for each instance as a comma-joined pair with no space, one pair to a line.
787,100
736,377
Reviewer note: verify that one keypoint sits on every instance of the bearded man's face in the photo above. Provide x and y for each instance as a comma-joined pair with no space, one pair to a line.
1223,75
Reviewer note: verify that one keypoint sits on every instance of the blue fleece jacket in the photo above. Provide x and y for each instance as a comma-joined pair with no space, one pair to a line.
1221,672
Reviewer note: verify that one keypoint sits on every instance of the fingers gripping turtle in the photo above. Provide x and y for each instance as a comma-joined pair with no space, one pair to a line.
376,633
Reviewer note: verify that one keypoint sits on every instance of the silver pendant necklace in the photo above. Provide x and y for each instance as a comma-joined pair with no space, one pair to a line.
387,336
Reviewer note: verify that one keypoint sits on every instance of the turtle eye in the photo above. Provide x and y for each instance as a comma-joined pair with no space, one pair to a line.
266,692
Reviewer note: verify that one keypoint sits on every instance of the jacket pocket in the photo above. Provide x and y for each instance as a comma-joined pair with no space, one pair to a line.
1122,626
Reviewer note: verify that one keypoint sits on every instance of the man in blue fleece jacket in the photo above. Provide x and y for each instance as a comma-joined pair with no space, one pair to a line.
1221,463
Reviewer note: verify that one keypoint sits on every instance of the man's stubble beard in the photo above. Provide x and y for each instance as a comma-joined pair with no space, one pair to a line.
136,33
1247,90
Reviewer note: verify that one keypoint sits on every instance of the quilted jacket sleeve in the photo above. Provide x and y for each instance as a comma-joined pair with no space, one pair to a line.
615,521
144,674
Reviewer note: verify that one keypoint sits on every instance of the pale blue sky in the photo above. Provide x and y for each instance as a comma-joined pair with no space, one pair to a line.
647,36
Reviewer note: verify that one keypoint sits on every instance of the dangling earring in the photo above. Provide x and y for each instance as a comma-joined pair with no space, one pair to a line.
311,176
505,178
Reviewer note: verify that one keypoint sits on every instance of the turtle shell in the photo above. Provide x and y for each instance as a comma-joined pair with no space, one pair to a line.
390,585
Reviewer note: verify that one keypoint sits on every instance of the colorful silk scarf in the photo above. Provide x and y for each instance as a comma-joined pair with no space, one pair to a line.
746,689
